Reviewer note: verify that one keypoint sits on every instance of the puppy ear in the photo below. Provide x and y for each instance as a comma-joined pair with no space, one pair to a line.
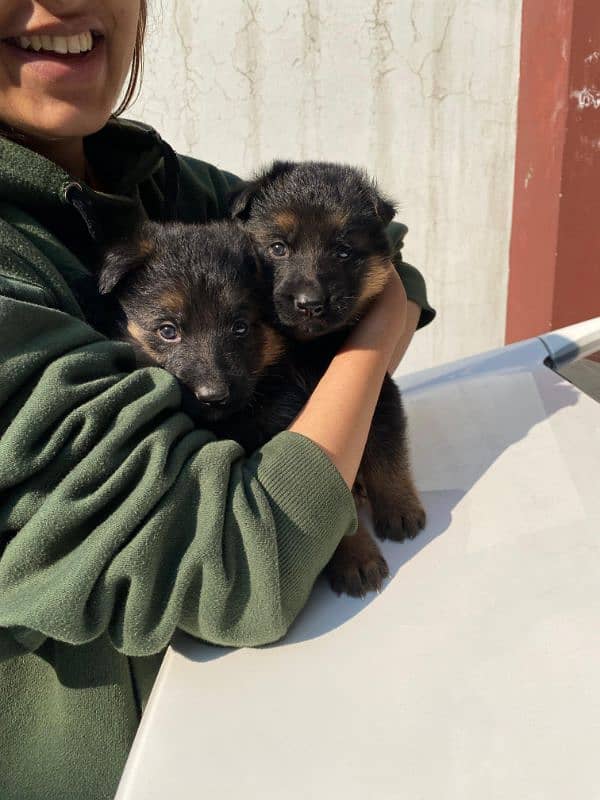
121,260
241,198
384,208
386,211
277,169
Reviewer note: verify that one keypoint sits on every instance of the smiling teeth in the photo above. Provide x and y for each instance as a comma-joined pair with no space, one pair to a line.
80,43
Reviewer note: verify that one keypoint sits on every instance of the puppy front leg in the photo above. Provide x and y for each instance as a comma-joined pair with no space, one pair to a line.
397,510
357,566
385,469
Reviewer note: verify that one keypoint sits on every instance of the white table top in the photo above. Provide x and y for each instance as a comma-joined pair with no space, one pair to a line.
472,676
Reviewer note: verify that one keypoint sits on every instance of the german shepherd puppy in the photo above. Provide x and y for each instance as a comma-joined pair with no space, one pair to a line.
190,299
320,231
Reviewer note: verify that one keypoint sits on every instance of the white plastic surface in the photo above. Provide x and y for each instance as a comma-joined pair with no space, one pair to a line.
472,676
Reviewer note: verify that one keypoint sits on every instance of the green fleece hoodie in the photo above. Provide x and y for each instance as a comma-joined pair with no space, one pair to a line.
119,520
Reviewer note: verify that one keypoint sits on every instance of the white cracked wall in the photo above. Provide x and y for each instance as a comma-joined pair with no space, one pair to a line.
421,92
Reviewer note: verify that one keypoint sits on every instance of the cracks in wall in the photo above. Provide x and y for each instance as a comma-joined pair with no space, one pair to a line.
311,25
427,67
246,64
413,22
380,23
309,122
250,59
381,54
422,92
430,75
434,53
217,84
191,89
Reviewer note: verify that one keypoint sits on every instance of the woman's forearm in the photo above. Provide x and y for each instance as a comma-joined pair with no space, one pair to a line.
413,314
338,415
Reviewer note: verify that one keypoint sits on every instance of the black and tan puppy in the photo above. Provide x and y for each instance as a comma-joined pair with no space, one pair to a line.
190,299
320,231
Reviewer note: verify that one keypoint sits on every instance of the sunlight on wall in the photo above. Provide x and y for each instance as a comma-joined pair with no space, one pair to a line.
422,93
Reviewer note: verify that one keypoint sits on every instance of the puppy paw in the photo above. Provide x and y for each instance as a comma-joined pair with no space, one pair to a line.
357,566
402,523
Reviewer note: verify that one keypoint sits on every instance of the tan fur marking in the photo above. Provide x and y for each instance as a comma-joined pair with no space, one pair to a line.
273,346
144,352
286,220
146,248
173,300
376,278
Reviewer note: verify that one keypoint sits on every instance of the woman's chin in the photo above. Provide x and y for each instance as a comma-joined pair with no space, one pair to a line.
61,120
52,95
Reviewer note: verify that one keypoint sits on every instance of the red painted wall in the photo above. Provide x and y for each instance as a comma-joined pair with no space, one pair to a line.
554,277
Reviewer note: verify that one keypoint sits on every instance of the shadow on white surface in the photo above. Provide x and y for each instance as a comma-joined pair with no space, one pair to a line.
460,679
484,415
325,610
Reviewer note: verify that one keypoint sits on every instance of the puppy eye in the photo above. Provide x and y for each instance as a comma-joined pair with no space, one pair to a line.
240,327
343,251
168,332
279,249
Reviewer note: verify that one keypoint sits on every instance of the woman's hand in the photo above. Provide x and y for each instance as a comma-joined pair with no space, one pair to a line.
338,415
413,315
383,324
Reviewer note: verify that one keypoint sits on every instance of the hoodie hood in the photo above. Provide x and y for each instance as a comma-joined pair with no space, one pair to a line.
128,155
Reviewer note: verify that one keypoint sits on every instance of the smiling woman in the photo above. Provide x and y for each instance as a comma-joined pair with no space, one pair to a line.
62,68
120,521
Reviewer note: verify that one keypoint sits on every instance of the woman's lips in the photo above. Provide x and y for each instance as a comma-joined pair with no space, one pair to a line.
77,43
54,66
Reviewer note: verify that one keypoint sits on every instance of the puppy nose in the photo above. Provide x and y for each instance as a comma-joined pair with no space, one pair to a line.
212,395
310,305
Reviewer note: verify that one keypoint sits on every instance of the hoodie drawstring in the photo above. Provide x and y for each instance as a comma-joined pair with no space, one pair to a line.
171,181
75,195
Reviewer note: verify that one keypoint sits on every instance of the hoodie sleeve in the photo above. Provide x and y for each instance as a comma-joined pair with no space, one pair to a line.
413,281
119,516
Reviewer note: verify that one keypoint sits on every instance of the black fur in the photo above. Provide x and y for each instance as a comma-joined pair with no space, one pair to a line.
203,281
303,217
338,234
